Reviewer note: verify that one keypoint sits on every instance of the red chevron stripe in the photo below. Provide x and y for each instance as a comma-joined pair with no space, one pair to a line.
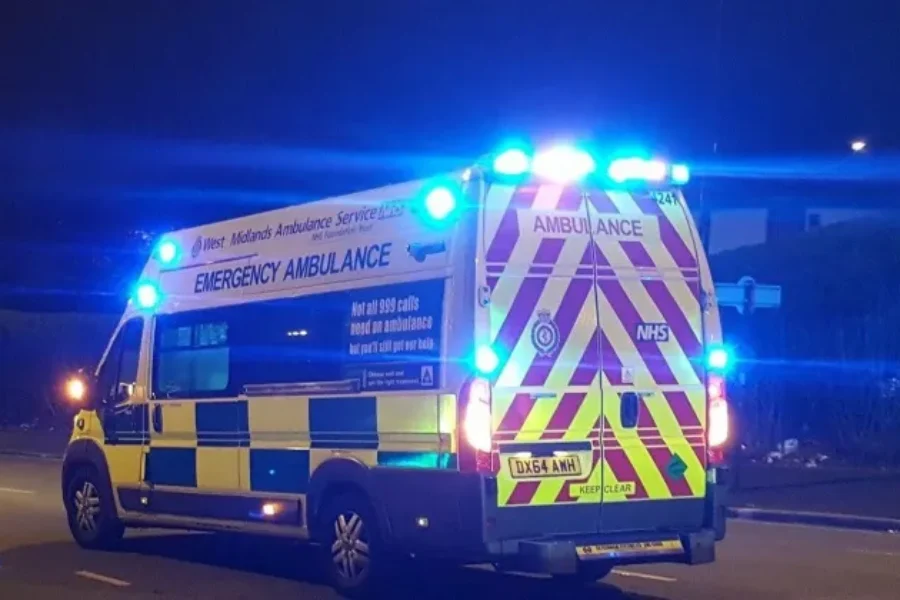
682,409
516,414
523,493
563,416
661,456
682,255
507,234
564,495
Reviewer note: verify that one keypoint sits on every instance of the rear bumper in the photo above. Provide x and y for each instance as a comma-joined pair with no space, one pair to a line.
459,520
567,556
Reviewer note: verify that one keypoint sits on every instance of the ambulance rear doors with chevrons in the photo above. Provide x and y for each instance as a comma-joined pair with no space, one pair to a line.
598,402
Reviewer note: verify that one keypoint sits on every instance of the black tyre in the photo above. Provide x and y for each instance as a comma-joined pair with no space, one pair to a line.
91,511
351,545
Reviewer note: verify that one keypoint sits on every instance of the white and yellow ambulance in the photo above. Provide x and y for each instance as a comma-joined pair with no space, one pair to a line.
518,364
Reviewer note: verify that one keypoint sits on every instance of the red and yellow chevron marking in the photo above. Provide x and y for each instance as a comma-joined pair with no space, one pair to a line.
554,394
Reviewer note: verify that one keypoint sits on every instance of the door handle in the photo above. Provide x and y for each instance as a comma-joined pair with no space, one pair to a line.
157,419
628,410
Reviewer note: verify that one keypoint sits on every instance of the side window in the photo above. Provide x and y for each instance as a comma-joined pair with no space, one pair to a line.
118,374
192,355
388,336
300,340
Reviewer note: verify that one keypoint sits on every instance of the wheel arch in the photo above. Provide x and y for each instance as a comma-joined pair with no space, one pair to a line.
86,453
337,476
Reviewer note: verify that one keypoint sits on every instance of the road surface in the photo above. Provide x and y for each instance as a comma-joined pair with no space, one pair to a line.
38,561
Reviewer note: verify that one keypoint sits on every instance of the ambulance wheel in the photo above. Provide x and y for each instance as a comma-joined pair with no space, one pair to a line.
351,545
586,575
91,511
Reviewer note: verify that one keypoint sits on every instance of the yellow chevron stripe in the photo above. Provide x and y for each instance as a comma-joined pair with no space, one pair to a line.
674,356
674,439
676,215
570,354
634,448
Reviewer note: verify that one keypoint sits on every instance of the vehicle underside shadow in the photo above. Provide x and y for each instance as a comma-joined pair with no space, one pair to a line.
284,560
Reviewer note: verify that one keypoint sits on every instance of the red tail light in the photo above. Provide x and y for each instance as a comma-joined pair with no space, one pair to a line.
717,426
475,439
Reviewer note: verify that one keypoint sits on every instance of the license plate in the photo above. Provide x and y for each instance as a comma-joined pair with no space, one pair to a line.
629,549
544,466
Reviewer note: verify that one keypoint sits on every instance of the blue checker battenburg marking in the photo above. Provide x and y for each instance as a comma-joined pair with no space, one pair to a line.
222,424
172,466
279,471
337,422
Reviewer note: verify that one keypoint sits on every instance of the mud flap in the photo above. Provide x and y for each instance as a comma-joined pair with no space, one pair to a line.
717,503
700,547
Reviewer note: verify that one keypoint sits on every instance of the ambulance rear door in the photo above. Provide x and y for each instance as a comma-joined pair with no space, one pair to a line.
547,401
648,293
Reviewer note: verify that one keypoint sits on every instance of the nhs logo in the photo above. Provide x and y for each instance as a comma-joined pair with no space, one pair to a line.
652,332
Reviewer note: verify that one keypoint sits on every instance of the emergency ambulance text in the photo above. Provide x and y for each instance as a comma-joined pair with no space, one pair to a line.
369,257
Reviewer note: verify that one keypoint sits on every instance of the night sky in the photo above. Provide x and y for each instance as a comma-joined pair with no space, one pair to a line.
146,115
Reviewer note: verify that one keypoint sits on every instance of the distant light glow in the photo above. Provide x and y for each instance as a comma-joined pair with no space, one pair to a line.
75,389
563,164
147,295
167,252
440,203
486,360
511,162
680,174
269,509
858,145
298,333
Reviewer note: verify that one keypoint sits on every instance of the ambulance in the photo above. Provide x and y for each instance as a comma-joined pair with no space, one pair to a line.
517,364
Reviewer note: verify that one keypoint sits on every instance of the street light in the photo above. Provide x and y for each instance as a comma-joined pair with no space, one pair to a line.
858,145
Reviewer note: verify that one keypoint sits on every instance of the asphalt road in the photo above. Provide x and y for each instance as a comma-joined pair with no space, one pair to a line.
38,560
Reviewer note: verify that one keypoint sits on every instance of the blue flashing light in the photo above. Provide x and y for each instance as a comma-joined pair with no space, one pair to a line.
718,358
623,169
563,164
147,295
512,162
167,252
680,174
486,360
636,169
440,203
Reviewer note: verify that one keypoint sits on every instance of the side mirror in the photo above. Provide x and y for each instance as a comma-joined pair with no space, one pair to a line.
80,390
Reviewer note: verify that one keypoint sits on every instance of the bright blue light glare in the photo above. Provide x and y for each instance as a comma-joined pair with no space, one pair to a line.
623,169
147,295
654,170
636,169
680,174
563,164
718,359
511,162
486,360
167,252
440,203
